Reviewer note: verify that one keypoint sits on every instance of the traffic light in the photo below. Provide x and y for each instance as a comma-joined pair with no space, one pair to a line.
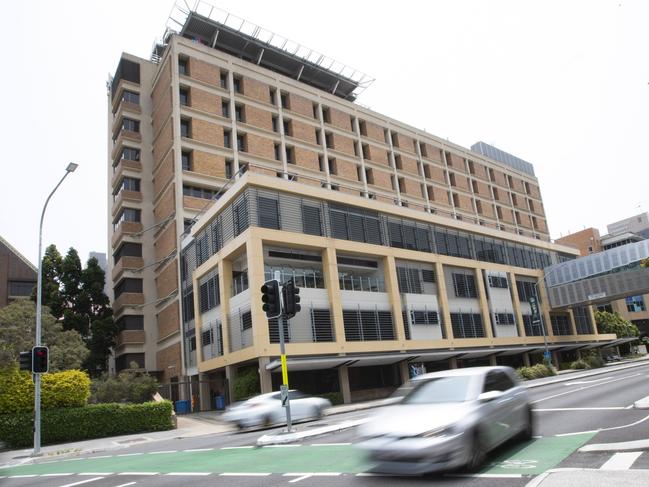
291,299
40,360
270,297
26,361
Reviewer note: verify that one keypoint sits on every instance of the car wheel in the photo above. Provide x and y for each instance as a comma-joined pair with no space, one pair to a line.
316,413
478,453
527,433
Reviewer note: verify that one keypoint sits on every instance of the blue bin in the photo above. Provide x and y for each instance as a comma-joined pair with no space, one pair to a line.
183,407
219,402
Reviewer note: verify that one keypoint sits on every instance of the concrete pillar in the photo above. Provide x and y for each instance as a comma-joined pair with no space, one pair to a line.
493,360
343,379
255,262
516,301
545,311
230,376
206,399
330,271
404,372
442,298
265,379
555,359
573,325
526,359
593,322
452,363
392,288
484,304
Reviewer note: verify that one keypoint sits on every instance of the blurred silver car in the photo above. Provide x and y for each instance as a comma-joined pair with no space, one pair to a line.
448,420
266,409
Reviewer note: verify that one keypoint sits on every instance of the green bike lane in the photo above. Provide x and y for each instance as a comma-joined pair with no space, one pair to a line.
531,458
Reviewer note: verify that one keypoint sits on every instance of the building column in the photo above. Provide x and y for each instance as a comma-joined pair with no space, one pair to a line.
555,359
330,271
452,363
392,288
343,379
516,301
442,299
526,359
404,371
545,310
493,360
230,376
484,304
256,278
591,314
225,280
265,378
573,325
206,400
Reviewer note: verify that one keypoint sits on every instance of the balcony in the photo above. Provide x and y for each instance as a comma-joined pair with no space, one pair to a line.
126,263
121,137
122,166
127,299
124,229
124,106
130,337
125,195
191,203
349,282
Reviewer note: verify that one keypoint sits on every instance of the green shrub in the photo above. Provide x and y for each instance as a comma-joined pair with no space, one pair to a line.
579,364
334,397
58,390
246,384
594,360
129,386
87,422
535,372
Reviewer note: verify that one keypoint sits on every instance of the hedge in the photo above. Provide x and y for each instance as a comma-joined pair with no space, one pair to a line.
535,372
87,422
58,390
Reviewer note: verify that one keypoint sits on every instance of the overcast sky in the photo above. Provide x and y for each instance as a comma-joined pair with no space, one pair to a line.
561,84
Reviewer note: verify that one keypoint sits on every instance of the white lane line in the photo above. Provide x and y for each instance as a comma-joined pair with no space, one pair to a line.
138,473
487,475
630,406
621,461
577,433
92,474
579,382
82,482
198,449
103,456
236,447
612,408
160,452
72,459
191,474
330,444
55,474
22,476
130,454
249,474
370,474
126,485
302,476
583,388
281,446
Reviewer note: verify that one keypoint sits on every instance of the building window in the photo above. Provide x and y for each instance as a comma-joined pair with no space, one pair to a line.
223,79
130,125
326,114
239,113
131,97
284,100
278,152
130,184
130,154
504,319
127,249
241,143
492,176
369,176
464,286
227,138
183,66
321,162
268,212
272,92
311,220
499,282
367,325
225,108
21,288
635,304
398,163
229,168
329,140
237,85
526,290
331,163
275,122
198,192
315,110
290,155
185,128
128,285
184,96
467,325
288,128
186,160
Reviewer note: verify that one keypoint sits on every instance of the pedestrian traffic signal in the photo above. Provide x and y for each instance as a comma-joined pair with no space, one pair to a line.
26,361
271,299
291,299
40,360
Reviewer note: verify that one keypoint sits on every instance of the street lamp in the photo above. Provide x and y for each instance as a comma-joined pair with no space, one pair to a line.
39,291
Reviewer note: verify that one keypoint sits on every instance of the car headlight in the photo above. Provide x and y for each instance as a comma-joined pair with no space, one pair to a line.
444,431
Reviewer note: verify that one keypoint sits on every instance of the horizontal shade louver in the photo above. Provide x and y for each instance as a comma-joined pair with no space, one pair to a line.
311,220
467,325
268,212
368,325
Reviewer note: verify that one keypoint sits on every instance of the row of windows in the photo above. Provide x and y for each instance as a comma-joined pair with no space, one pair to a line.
464,286
128,285
198,192
499,282
209,294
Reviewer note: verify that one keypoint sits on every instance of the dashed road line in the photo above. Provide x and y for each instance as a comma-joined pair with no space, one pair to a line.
198,449
191,474
236,447
54,474
160,452
126,485
330,444
22,476
621,461
92,474
102,456
244,474
82,482
130,454
302,476
612,408
72,459
281,446
138,473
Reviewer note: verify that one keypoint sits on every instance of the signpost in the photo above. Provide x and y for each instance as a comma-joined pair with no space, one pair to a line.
536,321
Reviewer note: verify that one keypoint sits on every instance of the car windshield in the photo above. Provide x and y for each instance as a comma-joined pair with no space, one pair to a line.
439,390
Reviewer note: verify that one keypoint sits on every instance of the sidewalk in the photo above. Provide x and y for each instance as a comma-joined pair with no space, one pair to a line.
208,422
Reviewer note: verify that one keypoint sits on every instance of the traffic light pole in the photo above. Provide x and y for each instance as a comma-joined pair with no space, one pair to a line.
282,352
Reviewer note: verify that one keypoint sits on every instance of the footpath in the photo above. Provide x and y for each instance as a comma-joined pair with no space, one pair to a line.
209,423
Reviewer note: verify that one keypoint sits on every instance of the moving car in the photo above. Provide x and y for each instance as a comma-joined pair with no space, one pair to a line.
448,420
267,410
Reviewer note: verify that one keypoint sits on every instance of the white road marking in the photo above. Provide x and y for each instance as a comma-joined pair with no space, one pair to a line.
55,474
236,447
71,459
126,485
574,382
280,446
103,456
606,429
330,444
138,473
82,482
577,433
487,475
22,476
302,476
621,461
130,454
194,474
584,388
198,449
612,408
160,452
105,474
234,474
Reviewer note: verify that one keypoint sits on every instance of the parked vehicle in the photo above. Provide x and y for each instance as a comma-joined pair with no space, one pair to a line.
447,420
267,410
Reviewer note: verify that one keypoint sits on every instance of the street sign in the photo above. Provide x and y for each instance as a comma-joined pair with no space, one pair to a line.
283,389
534,306
547,356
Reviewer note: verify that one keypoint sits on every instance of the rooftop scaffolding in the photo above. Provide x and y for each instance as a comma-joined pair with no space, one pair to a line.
221,30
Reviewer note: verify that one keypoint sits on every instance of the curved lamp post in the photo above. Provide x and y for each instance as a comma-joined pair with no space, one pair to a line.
39,291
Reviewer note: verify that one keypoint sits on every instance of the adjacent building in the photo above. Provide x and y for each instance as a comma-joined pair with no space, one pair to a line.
17,275
232,156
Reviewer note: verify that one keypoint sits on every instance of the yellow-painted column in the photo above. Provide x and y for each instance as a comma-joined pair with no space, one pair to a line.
442,299
330,271
493,360
526,359
545,310
225,279
343,378
516,301
392,288
593,321
452,363
404,372
198,323
255,261
573,325
484,303
265,380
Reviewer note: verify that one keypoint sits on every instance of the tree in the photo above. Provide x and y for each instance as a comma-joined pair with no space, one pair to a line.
644,262
77,298
613,323
130,385
18,331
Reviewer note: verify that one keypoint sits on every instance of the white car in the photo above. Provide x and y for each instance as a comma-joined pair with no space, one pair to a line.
447,420
266,410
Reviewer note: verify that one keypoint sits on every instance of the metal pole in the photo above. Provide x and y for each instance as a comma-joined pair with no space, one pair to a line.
282,351
39,303
543,329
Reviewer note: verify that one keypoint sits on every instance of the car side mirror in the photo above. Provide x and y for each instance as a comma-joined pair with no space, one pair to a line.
490,396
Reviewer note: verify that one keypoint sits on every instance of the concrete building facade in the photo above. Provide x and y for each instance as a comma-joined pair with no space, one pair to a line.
380,208
17,275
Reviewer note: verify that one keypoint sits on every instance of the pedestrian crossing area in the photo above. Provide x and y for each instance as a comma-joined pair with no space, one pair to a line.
611,461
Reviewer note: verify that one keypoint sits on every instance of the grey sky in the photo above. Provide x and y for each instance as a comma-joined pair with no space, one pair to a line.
563,85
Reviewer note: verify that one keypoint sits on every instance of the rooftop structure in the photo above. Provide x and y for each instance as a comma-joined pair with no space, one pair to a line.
504,157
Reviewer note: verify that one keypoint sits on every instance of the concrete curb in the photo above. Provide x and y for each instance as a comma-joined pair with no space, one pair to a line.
292,437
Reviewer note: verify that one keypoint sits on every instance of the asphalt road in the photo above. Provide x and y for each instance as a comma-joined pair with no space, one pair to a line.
569,414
